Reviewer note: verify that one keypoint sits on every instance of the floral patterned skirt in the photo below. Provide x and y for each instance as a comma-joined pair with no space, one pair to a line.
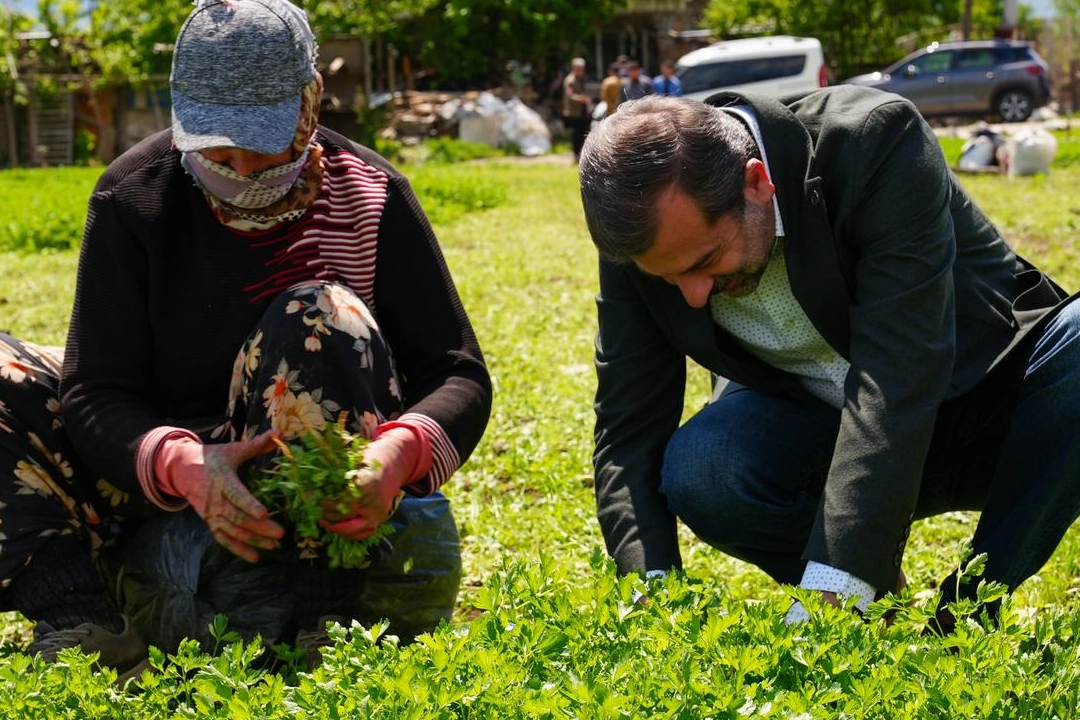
44,489
317,352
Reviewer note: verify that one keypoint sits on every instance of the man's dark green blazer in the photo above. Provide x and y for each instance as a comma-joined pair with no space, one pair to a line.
897,269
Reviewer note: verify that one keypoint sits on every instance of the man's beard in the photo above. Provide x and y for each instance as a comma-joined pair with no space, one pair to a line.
758,226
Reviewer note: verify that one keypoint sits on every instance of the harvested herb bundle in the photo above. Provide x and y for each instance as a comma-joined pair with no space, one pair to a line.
308,475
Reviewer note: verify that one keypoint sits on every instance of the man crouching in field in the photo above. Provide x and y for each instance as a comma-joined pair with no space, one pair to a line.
890,356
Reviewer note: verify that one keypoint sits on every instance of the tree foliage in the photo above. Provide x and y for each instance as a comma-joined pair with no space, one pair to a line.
36,59
470,42
857,35
59,18
132,39
360,17
11,24
465,41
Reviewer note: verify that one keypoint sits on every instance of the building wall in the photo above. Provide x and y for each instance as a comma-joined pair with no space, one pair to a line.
648,31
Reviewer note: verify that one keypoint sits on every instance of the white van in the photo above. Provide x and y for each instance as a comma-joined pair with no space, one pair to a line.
775,65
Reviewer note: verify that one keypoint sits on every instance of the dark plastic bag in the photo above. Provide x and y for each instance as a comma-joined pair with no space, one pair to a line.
416,584
172,578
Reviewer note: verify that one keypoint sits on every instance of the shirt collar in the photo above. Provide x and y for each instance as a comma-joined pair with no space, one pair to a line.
746,114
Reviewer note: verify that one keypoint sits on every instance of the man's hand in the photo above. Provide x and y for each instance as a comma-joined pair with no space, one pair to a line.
833,584
798,614
390,459
205,476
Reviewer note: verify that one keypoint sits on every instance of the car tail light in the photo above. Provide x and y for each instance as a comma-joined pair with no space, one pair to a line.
821,77
1034,70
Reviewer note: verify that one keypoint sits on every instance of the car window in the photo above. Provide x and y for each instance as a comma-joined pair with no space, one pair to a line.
933,62
975,58
696,78
1015,54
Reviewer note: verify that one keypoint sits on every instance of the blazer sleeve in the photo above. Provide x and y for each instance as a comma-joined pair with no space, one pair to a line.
896,222
641,381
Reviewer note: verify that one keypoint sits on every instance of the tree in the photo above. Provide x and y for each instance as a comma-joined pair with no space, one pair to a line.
13,89
466,40
360,17
11,24
859,35
472,42
856,34
132,40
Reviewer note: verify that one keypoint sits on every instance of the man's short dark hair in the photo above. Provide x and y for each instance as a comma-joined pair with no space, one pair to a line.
650,145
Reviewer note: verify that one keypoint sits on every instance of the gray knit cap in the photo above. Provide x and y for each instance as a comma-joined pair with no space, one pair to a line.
238,70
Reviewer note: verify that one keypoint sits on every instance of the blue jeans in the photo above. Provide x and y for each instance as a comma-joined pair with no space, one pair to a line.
747,472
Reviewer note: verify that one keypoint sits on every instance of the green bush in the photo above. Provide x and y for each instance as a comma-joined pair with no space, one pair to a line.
448,150
448,193
85,144
389,149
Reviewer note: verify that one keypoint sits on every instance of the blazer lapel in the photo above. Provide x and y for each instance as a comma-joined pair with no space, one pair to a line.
814,268
695,333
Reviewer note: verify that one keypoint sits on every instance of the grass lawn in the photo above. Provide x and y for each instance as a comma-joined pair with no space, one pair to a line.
526,272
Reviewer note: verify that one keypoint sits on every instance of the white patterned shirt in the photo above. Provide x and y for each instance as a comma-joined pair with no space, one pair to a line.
770,324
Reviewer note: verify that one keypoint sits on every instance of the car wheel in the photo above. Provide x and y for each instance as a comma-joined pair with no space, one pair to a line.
1014,105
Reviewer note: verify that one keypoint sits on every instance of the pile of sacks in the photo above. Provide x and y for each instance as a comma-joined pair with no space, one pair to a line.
490,120
1029,151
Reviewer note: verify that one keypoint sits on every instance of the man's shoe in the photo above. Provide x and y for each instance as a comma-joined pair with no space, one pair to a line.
124,651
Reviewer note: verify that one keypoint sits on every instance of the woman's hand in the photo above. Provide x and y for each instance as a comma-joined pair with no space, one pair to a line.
205,476
390,459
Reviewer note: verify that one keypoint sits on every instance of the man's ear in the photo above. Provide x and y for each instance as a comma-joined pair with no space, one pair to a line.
757,186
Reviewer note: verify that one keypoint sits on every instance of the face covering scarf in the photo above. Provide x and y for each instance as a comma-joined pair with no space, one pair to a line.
254,191
287,190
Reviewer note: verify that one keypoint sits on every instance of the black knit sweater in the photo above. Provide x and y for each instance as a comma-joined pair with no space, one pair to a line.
166,295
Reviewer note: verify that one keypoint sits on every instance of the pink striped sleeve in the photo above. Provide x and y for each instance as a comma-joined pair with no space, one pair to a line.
145,456
444,457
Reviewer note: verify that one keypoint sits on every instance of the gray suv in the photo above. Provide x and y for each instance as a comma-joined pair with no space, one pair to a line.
1006,79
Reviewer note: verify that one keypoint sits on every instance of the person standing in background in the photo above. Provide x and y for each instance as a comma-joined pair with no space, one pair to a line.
576,103
611,88
666,83
636,85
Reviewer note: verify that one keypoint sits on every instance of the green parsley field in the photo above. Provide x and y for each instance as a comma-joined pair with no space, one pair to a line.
544,628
